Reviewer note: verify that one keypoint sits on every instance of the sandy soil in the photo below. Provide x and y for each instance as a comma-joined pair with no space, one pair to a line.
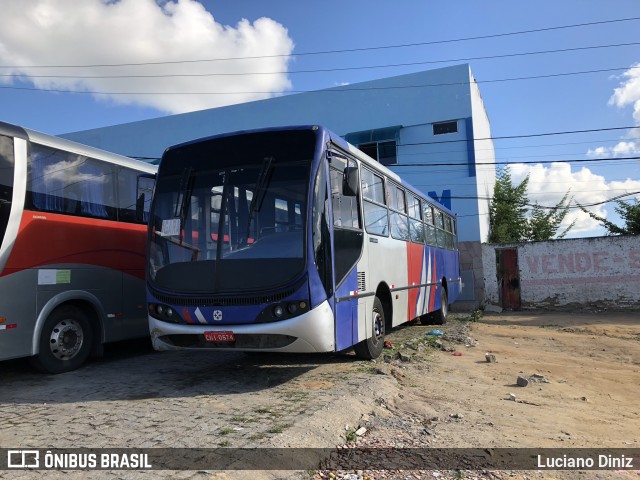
586,394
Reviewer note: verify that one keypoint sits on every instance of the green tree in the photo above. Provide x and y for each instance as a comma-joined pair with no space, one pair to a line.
508,209
629,212
544,223
512,218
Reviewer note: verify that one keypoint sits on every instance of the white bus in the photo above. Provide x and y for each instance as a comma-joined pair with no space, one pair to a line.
292,240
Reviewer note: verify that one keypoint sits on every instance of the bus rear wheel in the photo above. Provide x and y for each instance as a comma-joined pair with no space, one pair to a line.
372,346
440,317
65,341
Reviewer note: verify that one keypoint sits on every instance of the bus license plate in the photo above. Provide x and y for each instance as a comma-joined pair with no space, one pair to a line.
219,337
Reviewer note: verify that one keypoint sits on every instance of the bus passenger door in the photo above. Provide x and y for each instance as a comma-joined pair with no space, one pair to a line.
347,246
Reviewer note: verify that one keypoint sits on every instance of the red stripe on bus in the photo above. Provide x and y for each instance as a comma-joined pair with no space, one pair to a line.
414,274
53,239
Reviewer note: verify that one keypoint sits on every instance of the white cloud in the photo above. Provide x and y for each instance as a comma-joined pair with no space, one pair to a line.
91,32
627,94
548,184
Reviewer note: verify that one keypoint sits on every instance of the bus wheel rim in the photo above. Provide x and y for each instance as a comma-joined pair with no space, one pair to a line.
377,326
66,339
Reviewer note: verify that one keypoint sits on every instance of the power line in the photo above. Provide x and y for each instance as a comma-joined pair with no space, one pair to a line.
593,204
580,160
348,50
328,90
361,67
510,137
516,147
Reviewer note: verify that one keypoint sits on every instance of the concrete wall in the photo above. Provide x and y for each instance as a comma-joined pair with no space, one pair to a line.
471,269
602,272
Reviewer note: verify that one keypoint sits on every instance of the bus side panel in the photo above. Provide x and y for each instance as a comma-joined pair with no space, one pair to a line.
102,283
135,322
432,279
446,266
387,264
19,311
84,254
452,273
347,311
415,257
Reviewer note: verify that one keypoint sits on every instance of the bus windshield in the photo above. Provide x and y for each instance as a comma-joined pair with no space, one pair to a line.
229,224
6,182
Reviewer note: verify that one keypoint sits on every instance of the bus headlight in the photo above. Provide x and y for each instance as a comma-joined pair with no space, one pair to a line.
282,311
165,313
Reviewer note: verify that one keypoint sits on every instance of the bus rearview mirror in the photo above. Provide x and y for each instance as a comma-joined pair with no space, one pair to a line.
350,184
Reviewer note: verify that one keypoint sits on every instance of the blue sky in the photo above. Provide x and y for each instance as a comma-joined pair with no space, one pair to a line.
67,32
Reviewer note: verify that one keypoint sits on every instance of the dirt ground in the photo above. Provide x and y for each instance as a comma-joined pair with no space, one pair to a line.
586,368
584,371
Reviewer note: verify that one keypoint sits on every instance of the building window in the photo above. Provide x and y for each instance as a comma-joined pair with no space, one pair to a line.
383,152
445,127
380,143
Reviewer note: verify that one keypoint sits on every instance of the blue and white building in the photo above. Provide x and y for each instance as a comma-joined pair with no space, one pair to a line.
430,127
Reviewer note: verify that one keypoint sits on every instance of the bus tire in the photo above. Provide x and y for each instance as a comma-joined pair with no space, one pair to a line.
372,346
440,317
65,341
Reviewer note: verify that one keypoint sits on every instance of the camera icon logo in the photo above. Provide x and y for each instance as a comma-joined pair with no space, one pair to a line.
23,459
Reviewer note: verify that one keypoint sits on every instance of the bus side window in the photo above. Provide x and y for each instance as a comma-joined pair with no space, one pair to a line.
66,182
143,197
345,206
440,234
399,221
376,218
448,234
416,227
134,195
430,229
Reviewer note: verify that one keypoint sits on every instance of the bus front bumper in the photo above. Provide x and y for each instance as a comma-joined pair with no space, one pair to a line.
312,332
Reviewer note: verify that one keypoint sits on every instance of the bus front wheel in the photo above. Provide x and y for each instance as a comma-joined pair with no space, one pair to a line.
372,346
65,341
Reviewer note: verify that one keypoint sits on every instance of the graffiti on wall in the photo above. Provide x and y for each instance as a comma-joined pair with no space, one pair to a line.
582,262
602,271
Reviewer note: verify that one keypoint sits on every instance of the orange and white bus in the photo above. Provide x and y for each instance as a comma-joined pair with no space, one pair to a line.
72,248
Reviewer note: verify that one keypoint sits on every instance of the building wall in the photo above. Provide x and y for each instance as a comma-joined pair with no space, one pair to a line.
484,160
599,272
412,102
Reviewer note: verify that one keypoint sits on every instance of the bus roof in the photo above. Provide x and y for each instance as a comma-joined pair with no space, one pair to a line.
74,147
328,136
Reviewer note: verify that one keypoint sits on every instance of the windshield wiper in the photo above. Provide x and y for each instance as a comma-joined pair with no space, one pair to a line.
259,192
184,198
